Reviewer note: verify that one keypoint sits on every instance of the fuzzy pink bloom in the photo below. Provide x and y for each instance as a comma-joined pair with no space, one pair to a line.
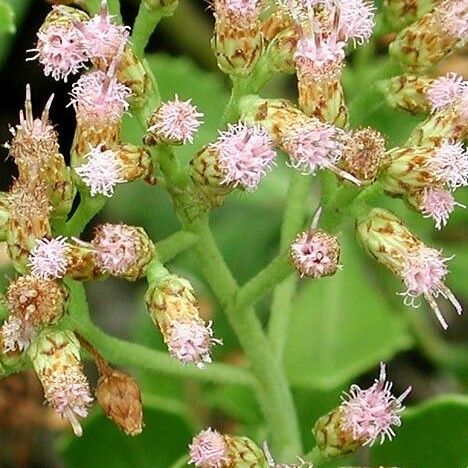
455,16
101,171
356,19
370,414
241,10
16,334
99,98
48,259
316,145
208,450
438,204
246,153
177,121
101,38
116,248
191,342
445,90
60,50
424,272
450,164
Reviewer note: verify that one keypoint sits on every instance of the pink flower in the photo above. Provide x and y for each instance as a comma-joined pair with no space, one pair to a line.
246,153
316,145
101,171
101,38
445,90
370,414
356,19
423,272
16,335
455,14
117,248
450,164
191,342
242,10
209,450
48,259
99,98
176,121
60,50
438,204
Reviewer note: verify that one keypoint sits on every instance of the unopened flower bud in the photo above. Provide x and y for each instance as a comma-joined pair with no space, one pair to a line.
122,251
36,301
120,398
211,449
59,47
28,220
36,152
364,417
401,13
421,268
315,253
281,36
408,93
435,203
55,356
238,41
174,308
363,154
409,169
174,122
432,37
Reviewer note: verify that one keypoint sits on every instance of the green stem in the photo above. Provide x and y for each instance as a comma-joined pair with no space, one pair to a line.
87,209
240,87
293,221
123,353
145,23
316,457
273,394
175,244
182,462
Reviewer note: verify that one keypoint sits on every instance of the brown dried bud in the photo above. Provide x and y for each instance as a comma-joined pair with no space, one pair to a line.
363,154
36,301
120,398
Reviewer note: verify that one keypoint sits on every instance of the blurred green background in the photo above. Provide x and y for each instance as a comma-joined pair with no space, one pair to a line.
341,327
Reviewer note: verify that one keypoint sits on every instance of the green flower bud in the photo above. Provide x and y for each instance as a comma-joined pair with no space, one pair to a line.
408,93
401,13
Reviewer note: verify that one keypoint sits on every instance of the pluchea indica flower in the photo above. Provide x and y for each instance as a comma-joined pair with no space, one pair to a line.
421,268
433,36
48,259
122,250
237,42
174,122
174,308
211,449
16,335
59,46
446,91
364,417
55,356
120,398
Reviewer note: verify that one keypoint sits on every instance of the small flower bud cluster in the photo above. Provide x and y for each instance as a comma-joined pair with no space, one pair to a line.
422,269
364,417
174,309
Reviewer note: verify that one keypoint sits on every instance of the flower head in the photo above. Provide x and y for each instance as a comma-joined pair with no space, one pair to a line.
101,172
455,17
60,50
209,450
49,258
102,39
245,154
450,164
356,19
445,90
437,203
316,145
16,334
191,342
175,122
423,272
244,11
99,98
370,414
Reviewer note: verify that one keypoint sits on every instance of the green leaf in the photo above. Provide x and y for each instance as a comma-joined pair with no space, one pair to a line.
434,434
341,326
7,17
163,440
